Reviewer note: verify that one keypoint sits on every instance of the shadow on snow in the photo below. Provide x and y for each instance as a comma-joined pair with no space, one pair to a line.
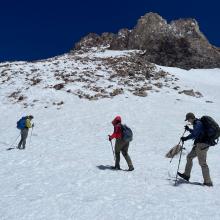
182,181
104,167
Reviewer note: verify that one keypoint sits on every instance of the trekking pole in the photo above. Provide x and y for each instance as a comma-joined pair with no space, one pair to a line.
30,137
178,144
14,141
179,162
113,151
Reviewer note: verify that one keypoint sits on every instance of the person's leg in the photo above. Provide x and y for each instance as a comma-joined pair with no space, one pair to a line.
25,134
118,146
189,162
201,151
126,155
21,141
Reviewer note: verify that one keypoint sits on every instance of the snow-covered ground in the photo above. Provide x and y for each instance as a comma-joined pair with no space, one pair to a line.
61,175
92,75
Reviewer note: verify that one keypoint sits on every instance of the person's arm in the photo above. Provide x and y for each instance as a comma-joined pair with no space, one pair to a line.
117,132
195,132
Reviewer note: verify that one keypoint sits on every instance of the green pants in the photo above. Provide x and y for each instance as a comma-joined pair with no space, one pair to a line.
199,150
122,146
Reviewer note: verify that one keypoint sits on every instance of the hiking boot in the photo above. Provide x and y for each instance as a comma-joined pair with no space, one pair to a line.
182,175
116,167
131,168
208,184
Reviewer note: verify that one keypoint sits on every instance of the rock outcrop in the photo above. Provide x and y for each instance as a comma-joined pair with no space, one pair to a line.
94,40
180,43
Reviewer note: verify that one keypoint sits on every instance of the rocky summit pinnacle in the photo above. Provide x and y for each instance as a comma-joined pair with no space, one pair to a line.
179,43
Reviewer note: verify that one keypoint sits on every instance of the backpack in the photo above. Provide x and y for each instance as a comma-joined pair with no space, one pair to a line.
21,124
127,134
212,129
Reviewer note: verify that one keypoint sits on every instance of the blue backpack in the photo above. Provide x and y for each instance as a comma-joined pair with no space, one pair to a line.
21,124
127,134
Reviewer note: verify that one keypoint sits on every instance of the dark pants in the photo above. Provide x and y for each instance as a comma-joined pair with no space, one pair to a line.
24,134
122,146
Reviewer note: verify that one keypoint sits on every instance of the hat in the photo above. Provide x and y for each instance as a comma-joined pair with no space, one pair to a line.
116,120
31,116
190,115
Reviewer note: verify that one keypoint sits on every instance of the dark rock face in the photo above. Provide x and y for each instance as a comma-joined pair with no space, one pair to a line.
121,41
180,43
94,40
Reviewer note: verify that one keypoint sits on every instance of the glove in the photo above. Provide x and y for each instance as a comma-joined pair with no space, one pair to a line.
187,128
109,138
32,125
183,139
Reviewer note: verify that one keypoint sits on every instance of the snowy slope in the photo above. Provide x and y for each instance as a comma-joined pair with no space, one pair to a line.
58,176
91,75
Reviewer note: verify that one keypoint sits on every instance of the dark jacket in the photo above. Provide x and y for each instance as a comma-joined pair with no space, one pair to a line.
197,133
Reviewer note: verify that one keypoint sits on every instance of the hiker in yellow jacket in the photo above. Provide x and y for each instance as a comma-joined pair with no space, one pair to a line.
24,131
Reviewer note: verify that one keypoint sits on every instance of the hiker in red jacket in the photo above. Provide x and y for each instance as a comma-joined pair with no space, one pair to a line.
120,145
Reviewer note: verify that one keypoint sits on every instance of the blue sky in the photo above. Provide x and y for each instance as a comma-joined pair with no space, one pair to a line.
40,29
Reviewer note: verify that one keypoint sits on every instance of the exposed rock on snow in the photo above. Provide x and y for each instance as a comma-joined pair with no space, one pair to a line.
94,40
58,86
179,44
191,92
95,74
